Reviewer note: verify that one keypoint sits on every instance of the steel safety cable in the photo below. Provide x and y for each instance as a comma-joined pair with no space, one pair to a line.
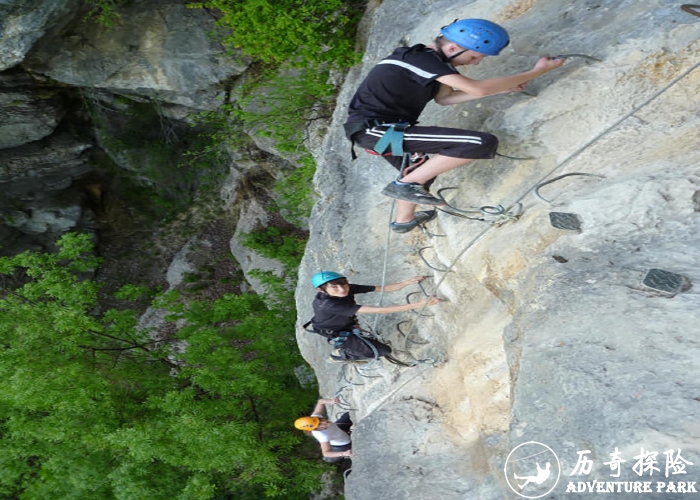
481,234
404,164
384,266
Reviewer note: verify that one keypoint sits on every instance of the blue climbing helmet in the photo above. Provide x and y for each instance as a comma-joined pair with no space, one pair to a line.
324,277
478,35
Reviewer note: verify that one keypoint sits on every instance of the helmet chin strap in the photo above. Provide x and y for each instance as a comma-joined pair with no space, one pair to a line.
444,56
448,59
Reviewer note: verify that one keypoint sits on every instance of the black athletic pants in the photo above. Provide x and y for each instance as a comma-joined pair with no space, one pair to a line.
445,141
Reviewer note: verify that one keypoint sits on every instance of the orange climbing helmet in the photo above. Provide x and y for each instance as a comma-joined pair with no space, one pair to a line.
306,423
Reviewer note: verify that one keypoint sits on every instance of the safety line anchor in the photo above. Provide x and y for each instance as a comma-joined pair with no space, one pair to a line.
420,254
691,9
496,215
559,177
409,339
582,56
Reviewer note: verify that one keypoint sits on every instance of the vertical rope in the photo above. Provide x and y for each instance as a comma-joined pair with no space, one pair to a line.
404,164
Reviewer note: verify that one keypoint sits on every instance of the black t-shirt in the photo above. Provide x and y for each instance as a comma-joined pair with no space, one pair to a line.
337,313
400,86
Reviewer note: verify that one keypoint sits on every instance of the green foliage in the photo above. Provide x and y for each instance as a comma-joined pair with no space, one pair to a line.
282,106
281,244
133,292
295,44
280,30
282,103
279,291
295,189
92,407
103,12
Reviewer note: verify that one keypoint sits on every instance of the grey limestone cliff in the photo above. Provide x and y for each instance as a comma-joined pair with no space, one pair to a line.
78,99
557,336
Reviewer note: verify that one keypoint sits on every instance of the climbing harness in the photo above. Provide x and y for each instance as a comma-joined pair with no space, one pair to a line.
339,341
550,181
575,154
393,137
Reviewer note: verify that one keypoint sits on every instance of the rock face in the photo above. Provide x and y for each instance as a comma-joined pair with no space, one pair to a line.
158,49
25,115
549,335
76,98
23,22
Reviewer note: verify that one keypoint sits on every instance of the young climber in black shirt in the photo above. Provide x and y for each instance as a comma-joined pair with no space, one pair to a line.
397,90
335,308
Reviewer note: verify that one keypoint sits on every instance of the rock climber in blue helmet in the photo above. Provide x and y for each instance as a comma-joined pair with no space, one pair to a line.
335,307
399,87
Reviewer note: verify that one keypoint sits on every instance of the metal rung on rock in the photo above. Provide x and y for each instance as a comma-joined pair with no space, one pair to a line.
665,281
562,220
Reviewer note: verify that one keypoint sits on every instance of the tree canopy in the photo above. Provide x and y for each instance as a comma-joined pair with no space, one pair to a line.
94,406
280,30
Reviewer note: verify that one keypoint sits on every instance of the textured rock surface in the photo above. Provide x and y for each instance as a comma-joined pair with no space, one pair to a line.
159,49
25,114
59,157
253,217
71,89
23,22
549,335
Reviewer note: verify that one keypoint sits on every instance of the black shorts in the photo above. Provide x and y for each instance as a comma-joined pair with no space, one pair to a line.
452,142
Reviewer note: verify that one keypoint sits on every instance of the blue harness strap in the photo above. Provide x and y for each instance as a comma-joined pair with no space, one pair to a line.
392,137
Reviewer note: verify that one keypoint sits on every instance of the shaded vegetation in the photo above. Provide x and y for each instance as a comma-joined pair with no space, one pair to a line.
296,46
276,31
93,406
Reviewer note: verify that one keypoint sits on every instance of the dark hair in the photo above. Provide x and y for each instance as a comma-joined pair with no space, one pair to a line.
338,281
440,41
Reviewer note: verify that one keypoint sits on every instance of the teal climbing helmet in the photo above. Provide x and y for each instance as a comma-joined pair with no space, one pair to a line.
324,277
478,35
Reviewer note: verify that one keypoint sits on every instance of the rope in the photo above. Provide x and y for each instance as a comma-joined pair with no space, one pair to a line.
612,127
404,164
384,265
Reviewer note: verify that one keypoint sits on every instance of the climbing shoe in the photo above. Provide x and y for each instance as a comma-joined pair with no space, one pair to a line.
410,191
419,218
